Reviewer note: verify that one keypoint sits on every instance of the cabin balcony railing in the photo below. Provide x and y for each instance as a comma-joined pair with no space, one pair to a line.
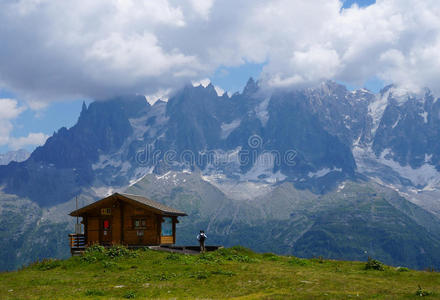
77,241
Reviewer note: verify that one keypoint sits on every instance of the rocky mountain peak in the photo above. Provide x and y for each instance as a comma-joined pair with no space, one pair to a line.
251,87
17,156
83,108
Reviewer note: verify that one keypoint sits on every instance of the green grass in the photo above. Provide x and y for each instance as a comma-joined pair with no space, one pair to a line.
227,273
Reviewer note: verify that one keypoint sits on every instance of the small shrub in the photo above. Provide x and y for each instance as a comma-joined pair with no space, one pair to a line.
47,264
94,293
373,264
338,269
120,251
89,258
240,258
173,256
95,248
422,293
271,256
237,253
319,259
163,276
93,254
199,275
188,259
242,250
225,273
108,264
402,269
130,295
96,253
299,261
209,258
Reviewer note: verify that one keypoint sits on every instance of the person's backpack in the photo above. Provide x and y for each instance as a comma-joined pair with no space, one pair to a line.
202,237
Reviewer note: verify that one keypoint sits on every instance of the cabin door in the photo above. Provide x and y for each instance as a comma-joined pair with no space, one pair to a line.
106,231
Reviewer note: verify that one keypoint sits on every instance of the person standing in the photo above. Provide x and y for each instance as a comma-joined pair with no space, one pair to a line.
201,237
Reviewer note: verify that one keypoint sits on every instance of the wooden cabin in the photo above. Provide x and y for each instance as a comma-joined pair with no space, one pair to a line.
126,219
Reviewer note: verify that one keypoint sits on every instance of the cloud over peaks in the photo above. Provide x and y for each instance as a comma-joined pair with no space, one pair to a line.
59,49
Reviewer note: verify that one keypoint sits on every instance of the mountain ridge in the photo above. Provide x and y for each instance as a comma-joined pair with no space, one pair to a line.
251,161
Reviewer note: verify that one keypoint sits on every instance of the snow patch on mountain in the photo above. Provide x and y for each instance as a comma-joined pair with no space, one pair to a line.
400,95
164,176
261,111
226,160
258,181
397,121
227,128
238,190
202,82
104,191
219,91
139,174
106,161
424,115
322,172
422,176
263,170
174,178
139,126
144,125
205,82
384,166
162,94
377,108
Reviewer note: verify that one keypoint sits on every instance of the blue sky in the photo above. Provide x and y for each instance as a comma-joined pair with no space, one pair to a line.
200,37
348,3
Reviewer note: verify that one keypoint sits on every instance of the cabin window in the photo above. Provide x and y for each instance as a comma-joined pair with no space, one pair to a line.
167,226
139,223
106,211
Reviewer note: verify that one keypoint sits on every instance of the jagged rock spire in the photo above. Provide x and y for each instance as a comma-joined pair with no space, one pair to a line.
251,86
83,109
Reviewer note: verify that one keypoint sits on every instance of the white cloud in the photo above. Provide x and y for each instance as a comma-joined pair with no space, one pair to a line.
32,139
100,48
314,64
9,110
202,7
5,129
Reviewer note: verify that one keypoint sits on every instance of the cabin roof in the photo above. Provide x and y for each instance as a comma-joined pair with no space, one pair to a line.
159,207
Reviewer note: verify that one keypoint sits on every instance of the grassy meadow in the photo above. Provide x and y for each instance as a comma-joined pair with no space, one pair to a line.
239,273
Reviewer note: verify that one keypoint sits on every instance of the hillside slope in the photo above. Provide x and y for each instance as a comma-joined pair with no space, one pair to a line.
355,219
227,273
